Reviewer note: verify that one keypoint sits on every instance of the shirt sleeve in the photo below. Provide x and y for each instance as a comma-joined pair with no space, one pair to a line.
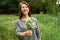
37,30
17,28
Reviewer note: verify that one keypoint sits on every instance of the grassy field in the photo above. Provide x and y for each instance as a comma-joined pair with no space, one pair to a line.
48,25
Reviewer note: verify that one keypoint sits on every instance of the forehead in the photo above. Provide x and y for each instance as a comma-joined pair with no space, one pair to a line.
24,5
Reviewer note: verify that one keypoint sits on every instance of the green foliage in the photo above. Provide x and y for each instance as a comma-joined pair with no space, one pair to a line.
29,24
7,28
48,26
46,6
9,6
58,7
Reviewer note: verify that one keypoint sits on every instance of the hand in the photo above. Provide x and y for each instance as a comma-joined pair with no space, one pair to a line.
39,39
29,32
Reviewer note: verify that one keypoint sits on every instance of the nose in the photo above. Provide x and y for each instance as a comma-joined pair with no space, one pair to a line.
25,8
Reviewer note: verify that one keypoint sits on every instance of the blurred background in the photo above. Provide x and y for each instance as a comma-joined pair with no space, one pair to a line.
37,6
47,13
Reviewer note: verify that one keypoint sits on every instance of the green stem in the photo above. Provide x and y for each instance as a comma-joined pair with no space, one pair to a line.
29,37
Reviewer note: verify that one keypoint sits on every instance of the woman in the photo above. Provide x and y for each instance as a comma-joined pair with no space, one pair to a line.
20,27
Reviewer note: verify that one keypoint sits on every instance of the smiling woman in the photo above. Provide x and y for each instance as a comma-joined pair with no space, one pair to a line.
23,8
23,31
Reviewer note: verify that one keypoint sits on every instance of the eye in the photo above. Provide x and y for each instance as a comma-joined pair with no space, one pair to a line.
27,7
23,7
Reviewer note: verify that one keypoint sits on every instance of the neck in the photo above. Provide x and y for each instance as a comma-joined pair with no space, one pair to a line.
25,16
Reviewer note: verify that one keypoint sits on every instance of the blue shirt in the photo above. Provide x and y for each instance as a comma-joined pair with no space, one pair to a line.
21,27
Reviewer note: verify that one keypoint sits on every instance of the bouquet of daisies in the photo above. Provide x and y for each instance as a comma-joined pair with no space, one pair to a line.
30,26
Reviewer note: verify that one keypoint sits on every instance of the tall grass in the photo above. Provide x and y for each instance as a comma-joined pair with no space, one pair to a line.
47,24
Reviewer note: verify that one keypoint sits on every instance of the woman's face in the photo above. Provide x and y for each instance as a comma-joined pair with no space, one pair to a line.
24,9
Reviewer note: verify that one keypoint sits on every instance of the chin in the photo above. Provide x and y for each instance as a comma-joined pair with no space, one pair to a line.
25,13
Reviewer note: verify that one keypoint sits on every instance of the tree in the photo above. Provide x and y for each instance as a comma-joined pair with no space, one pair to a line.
46,6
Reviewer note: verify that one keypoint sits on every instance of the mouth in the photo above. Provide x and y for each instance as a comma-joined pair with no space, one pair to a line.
25,10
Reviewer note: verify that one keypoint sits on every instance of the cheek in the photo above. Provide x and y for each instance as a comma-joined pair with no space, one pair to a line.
22,9
28,9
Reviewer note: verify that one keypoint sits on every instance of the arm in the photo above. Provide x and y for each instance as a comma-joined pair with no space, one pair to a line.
18,30
37,31
26,33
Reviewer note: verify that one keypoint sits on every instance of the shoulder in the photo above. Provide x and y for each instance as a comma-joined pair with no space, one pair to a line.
17,21
34,19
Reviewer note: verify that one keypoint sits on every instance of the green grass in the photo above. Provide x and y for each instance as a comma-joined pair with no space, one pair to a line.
48,25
